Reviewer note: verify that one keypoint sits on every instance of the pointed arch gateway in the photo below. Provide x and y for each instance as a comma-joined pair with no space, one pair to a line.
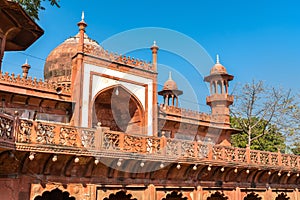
118,109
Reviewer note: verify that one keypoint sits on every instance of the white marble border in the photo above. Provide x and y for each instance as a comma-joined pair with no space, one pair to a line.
99,83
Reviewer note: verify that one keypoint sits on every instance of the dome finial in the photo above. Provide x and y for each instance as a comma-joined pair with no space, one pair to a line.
170,75
82,16
26,61
154,45
217,59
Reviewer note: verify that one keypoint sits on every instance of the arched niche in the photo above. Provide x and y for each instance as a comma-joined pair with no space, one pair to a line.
118,109
175,196
56,194
217,196
282,196
121,195
252,196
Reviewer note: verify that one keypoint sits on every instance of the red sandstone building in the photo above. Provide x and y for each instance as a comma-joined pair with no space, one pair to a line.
92,130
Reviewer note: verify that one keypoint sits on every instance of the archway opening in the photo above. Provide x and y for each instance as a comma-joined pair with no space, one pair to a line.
119,110
217,196
55,194
282,196
175,196
252,196
121,195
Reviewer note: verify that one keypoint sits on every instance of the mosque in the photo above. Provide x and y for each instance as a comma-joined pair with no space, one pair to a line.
93,129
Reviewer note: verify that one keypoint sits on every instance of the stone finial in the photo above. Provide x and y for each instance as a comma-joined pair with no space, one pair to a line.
82,23
170,75
82,16
217,59
154,46
25,69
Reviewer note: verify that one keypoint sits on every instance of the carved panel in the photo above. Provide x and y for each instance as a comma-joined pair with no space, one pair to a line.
241,155
88,138
25,129
67,136
264,158
254,157
217,153
45,134
202,150
111,141
274,159
187,149
172,148
285,160
153,145
229,154
133,144
6,128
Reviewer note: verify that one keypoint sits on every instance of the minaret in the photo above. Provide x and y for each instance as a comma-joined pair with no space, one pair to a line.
25,69
77,73
219,99
81,26
154,48
170,91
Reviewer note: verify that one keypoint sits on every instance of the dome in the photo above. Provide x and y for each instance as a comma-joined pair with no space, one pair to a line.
170,84
218,69
58,64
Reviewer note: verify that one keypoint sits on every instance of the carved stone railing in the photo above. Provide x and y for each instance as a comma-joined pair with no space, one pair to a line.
60,137
7,127
217,97
126,60
185,113
30,83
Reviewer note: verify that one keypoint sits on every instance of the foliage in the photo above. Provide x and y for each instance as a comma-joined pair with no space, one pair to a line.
33,7
273,141
256,111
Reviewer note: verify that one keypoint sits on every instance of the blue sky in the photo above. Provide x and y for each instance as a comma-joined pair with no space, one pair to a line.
255,39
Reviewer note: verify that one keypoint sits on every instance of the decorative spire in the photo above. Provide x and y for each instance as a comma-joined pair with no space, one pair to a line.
170,75
25,69
82,16
82,23
154,48
217,59
154,45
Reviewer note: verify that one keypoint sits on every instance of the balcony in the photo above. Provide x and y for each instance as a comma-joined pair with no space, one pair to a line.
38,136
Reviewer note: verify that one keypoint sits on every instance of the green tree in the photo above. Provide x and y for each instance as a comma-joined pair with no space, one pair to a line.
33,7
273,141
256,111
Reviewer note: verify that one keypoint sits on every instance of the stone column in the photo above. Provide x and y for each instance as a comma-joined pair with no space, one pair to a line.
237,193
151,192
